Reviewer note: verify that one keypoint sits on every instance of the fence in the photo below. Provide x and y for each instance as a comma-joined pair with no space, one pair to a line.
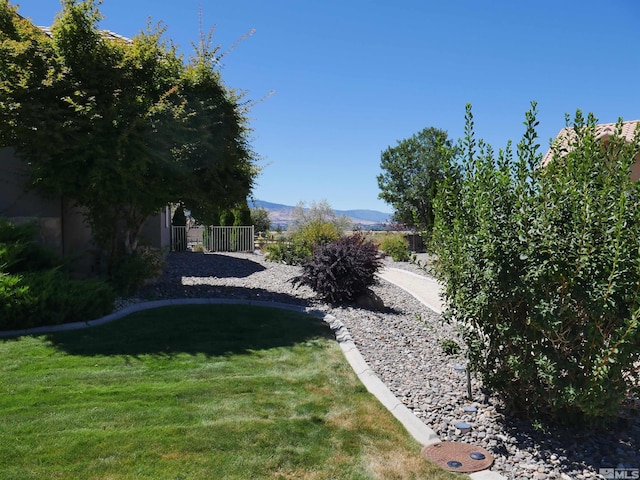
178,239
213,239
416,242
229,239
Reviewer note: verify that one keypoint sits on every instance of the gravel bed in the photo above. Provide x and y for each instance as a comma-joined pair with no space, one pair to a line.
402,345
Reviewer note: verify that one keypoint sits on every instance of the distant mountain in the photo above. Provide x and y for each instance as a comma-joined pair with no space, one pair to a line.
282,214
366,215
279,214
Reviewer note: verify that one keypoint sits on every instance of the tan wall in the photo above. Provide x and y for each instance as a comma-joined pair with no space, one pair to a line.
157,230
50,230
21,206
635,170
61,226
14,201
76,233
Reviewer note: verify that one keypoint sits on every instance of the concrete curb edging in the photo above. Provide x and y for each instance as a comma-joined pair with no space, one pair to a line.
416,428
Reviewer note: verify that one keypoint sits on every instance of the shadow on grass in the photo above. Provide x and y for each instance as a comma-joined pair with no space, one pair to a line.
212,330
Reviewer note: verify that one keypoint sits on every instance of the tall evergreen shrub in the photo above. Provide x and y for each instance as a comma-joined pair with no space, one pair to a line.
179,243
179,217
541,265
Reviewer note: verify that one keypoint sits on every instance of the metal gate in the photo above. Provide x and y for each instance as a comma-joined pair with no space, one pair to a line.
229,239
178,238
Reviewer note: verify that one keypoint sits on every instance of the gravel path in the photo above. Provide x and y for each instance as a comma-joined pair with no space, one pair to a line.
402,345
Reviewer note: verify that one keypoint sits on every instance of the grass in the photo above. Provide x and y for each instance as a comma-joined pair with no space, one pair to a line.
196,392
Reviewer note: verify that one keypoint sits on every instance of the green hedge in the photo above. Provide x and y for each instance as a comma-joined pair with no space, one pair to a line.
541,266
35,290
396,246
19,252
50,298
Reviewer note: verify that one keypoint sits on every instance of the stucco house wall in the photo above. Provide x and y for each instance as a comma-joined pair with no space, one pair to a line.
62,225
20,205
157,230
635,169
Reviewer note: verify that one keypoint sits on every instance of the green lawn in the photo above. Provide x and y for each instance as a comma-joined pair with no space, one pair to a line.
195,392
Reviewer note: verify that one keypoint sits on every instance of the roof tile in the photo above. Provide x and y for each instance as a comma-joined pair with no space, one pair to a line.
106,33
603,130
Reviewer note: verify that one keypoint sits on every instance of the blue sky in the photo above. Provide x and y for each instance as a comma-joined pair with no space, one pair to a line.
352,77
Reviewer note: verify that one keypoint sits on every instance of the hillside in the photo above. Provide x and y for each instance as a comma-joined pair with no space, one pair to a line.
281,214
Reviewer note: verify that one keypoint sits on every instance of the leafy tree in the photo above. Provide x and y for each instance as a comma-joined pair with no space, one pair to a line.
242,215
311,227
412,173
541,268
215,145
260,219
128,127
317,213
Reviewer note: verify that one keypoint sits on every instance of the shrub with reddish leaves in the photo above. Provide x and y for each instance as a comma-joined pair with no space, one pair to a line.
342,270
